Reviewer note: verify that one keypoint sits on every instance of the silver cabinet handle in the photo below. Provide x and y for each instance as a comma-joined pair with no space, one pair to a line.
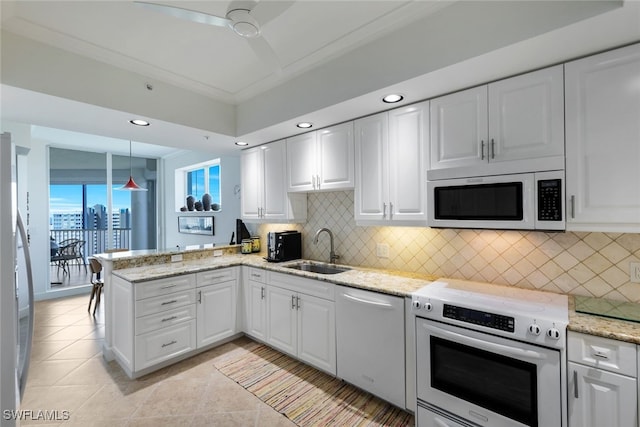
313,181
573,206
601,356
173,301
256,275
298,303
262,292
493,149
384,210
318,181
169,343
390,210
293,302
200,297
169,318
168,286
482,149
575,384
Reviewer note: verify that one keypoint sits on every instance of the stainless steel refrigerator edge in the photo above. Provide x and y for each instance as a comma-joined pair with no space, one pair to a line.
16,290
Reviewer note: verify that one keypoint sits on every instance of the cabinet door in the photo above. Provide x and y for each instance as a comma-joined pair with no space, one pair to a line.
256,310
251,182
459,129
599,398
216,312
335,152
317,332
408,159
603,149
281,319
275,201
526,116
301,162
371,191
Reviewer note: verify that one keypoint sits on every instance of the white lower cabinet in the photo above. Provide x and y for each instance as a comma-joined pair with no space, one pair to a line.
161,321
602,383
371,342
301,319
255,297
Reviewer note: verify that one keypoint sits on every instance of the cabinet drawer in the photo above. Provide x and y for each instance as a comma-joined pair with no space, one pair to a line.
164,319
212,277
257,274
165,302
167,343
603,353
165,286
316,288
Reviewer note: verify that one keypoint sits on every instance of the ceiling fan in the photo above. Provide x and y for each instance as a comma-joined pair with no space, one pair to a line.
243,17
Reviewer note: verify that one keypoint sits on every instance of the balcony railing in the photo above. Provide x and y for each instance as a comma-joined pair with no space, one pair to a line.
95,239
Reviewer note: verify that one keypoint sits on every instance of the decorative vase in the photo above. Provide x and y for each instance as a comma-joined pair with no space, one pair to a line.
198,205
190,202
206,201
215,207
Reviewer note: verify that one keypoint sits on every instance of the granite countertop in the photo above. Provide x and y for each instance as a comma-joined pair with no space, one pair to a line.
386,281
601,326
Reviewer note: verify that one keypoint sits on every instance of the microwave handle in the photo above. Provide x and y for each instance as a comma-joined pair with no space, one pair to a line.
489,346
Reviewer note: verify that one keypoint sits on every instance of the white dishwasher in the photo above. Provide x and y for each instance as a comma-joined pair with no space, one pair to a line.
371,341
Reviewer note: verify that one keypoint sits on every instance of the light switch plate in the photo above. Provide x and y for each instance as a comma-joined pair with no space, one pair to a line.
382,250
217,252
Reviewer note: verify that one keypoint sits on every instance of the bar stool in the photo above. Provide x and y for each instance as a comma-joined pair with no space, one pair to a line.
96,281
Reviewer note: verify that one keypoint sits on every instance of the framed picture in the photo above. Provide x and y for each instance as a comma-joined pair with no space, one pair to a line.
196,225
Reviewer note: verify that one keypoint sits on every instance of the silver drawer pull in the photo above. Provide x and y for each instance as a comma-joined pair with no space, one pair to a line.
217,277
169,343
575,385
256,275
170,318
599,355
168,286
173,301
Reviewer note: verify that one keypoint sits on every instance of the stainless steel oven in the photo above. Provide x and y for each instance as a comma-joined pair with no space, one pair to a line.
489,355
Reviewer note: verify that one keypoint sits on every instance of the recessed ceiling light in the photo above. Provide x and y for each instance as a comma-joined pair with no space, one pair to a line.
304,125
392,98
139,122
242,143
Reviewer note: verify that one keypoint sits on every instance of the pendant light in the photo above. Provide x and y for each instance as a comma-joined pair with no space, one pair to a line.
131,184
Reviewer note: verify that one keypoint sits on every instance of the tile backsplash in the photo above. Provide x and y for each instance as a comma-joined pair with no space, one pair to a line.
590,264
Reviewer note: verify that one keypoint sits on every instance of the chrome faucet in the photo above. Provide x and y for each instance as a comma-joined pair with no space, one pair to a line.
332,255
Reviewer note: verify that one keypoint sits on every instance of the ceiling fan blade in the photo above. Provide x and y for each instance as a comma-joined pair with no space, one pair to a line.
267,10
265,53
186,14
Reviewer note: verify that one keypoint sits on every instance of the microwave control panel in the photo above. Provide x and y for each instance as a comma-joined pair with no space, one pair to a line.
550,200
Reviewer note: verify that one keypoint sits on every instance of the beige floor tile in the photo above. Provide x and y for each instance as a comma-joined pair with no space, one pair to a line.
173,397
62,398
49,372
80,349
73,332
66,319
225,419
112,401
93,371
41,350
42,332
225,395
174,421
269,417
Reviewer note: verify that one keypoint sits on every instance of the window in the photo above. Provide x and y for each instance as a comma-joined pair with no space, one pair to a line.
198,180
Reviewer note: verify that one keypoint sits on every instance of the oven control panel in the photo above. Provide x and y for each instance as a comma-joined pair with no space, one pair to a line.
477,317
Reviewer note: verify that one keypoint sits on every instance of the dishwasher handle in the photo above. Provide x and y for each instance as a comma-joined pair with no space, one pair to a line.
366,301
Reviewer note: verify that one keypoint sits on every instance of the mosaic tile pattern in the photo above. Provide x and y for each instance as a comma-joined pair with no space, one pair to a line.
589,264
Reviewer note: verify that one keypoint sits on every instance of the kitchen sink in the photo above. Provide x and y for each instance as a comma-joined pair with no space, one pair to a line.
316,267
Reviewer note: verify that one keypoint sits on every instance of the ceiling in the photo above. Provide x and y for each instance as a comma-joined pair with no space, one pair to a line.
203,86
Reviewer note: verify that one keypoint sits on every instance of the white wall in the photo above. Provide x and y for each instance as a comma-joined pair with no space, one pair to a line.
225,220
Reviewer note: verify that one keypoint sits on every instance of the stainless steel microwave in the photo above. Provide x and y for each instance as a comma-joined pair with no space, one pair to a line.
527,201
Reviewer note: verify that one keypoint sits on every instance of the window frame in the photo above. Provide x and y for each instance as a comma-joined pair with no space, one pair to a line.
182,183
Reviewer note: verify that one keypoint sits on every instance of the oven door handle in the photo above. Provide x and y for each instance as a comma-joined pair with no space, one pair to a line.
489,346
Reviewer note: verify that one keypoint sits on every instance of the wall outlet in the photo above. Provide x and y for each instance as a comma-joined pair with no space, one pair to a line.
634,271
217,252
176,258
382,250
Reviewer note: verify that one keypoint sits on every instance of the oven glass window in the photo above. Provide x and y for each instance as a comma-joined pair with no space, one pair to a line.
498,383
494,202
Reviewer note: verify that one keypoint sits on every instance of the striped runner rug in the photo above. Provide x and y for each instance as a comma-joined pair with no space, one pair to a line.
305,395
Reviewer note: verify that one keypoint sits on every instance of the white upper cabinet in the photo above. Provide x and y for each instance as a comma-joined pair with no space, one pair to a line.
321,160
263,182
511,126
603,141
391,160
